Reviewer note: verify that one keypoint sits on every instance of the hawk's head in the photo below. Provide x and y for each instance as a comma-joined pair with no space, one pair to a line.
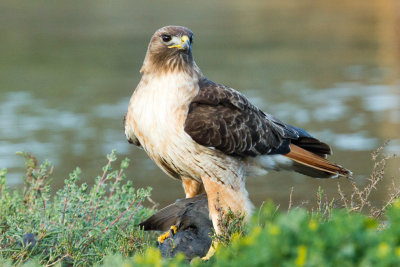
170,49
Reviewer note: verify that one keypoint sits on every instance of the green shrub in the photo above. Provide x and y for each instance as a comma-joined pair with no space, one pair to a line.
77,225
81,226
297,238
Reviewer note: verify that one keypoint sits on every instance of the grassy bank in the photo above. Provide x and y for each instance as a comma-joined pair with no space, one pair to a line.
82,225
76,225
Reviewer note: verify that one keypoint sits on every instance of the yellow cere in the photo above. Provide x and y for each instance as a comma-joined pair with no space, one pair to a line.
184,38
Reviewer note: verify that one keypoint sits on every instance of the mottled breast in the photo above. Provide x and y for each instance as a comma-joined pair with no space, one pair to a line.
156,116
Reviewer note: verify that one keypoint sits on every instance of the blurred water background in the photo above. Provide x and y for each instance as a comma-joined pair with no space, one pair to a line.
68,69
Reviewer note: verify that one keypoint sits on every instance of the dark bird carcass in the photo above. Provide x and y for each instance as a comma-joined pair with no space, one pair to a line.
187,225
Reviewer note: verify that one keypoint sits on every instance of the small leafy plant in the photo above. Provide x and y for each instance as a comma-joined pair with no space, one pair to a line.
78,225
298,238
231,225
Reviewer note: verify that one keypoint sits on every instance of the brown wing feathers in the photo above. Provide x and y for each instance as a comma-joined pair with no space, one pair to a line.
314,161
222,118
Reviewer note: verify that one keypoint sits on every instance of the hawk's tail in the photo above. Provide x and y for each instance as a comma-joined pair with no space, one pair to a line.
313,165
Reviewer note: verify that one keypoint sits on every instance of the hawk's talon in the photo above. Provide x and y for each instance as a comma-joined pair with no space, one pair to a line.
171,232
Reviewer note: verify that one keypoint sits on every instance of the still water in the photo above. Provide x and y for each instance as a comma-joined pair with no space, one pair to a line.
67,70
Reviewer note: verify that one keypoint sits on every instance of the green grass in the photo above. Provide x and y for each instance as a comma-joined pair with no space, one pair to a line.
78,226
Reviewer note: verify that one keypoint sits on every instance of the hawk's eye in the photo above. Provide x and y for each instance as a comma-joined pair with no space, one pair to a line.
166,38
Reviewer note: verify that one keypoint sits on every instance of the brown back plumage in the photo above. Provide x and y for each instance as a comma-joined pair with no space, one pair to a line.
222,118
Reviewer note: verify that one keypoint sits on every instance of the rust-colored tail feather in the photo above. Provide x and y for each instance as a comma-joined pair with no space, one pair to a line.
314,161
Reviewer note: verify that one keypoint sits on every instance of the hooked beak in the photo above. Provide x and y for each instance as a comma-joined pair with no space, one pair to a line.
184,45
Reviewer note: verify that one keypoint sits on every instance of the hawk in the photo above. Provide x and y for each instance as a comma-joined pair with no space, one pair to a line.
209,135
